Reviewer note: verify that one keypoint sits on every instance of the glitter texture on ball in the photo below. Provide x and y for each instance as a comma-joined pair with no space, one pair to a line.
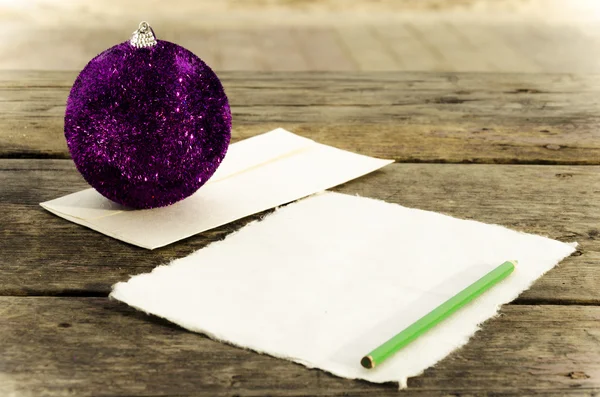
147,127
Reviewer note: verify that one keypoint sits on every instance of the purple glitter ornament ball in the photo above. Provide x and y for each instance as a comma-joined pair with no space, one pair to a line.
147,125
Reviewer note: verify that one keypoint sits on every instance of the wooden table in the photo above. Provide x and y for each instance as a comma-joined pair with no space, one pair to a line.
518,150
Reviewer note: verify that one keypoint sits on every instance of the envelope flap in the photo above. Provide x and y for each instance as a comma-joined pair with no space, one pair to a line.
257,174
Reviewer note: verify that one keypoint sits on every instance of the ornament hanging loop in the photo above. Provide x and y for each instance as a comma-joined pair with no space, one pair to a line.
143,37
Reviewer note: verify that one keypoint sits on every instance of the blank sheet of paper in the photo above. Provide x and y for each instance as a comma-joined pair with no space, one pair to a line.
325,280
257,174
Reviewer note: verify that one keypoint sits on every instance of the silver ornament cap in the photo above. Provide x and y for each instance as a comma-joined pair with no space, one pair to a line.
143,37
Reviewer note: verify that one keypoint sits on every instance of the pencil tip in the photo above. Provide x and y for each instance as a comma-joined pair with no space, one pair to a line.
515,262
367,362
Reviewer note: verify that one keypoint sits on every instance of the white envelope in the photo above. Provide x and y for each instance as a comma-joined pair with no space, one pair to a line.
257,174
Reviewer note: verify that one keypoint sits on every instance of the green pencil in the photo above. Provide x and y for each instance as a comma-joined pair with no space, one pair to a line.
438,314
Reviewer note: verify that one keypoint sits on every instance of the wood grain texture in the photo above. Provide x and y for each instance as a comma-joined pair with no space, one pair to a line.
236,49
406,47
409,117
279,49
366,48
93,346
322,49
493,47
47,255
61,336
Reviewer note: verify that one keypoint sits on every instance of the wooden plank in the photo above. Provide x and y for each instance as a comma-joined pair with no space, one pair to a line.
237,50
526,40
78,346
47,255
366,48
33,48
456,50
72,48
406,48
322,49
491,47
442,64
279,50
416,117
564,49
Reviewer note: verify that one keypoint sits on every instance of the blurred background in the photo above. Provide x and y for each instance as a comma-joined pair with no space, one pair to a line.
308,35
